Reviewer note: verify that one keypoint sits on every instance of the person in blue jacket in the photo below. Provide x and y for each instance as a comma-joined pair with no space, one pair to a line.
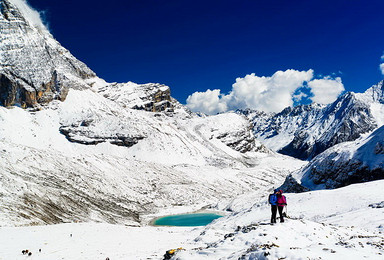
273,201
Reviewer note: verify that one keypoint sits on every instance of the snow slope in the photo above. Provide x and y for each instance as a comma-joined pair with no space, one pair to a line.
326,224
87,150
179,160
90,241
350,227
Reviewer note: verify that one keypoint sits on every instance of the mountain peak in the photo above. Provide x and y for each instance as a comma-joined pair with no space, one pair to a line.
376,92
19,10
34,67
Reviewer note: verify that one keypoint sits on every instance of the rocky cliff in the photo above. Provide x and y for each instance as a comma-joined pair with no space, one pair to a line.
34,67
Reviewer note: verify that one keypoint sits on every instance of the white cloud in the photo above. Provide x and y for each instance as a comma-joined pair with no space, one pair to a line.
325,90
270,94
209,102
382,68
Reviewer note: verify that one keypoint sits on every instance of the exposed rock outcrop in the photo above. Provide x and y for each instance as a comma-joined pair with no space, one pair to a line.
151,97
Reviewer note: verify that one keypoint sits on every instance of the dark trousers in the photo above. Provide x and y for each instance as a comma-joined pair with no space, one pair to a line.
274,209
280,208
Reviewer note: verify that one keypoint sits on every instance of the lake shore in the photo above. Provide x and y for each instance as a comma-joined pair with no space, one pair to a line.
200,211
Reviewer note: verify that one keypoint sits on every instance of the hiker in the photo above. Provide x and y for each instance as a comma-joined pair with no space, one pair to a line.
281,202
273,201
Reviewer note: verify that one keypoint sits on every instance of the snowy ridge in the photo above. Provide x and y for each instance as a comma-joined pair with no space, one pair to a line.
350,162
305,131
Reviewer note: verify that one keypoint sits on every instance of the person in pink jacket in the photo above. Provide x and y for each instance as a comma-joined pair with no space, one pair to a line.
281,202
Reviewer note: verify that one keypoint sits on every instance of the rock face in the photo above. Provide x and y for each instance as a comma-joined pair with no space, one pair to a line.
150,97
81,134
351,162
306,131
242,141
34,67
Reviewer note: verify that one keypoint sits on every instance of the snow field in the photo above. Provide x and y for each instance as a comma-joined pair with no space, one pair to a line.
326,224
90,241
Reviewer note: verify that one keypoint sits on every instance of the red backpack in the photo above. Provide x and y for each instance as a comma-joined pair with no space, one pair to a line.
281,200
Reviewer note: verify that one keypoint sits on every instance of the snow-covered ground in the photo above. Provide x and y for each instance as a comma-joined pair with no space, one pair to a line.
90,241
328,224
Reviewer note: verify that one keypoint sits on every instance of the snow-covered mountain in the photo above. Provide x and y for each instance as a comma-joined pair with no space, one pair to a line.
118,165
307,130
74,148
350,162
87,150
34,67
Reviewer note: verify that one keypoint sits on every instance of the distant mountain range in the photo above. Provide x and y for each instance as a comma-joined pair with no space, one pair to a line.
306,131
343,164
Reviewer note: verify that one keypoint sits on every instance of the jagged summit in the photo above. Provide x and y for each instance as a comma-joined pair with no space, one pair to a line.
375,93
305,131
34,67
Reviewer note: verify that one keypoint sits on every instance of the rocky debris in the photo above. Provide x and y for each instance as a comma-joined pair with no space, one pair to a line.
291,185
237,135
377,205
242,141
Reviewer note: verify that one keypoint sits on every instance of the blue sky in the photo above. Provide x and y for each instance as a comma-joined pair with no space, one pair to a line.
198,45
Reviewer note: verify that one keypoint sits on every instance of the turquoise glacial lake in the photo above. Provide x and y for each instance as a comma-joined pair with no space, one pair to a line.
187,220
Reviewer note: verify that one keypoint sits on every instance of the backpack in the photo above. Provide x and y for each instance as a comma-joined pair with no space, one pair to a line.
272,199
281,200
